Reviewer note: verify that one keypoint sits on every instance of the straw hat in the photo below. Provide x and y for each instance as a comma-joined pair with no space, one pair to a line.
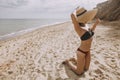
84,16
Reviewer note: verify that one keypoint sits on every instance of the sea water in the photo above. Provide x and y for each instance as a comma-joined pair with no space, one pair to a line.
9,26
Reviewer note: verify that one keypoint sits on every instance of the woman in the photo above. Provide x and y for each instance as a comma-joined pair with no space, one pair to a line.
79,18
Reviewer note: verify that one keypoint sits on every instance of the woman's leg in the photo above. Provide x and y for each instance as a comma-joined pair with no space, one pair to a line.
79,68
87,61
80,62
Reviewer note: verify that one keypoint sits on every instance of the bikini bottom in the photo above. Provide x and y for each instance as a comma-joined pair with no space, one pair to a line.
84,52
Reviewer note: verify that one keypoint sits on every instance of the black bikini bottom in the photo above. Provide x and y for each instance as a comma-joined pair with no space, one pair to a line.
84,52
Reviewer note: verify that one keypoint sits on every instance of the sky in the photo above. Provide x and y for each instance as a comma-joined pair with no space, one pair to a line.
42,8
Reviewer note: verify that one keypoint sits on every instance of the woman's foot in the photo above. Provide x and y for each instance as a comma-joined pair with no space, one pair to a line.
73,60
65,62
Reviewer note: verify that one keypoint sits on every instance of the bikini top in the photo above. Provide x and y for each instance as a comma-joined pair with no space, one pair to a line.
87,35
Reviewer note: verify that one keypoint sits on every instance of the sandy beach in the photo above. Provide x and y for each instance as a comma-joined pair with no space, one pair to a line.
38,55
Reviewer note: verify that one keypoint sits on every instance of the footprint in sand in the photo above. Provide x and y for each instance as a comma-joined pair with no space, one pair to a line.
96,62
98,71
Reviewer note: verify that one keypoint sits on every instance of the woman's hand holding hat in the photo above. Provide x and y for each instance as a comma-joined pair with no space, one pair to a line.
98,21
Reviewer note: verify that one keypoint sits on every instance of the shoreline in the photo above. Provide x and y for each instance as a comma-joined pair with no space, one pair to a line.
25,31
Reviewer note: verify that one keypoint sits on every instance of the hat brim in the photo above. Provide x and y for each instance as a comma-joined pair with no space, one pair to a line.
87,16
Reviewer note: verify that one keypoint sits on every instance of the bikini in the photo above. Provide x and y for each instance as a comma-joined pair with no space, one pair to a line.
87,35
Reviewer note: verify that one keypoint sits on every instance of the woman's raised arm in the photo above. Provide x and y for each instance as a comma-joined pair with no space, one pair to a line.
95,24
76,24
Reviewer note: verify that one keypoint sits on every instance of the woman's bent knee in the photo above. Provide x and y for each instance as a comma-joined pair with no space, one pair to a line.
78,72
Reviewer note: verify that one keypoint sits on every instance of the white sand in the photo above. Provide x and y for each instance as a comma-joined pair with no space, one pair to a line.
38,55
